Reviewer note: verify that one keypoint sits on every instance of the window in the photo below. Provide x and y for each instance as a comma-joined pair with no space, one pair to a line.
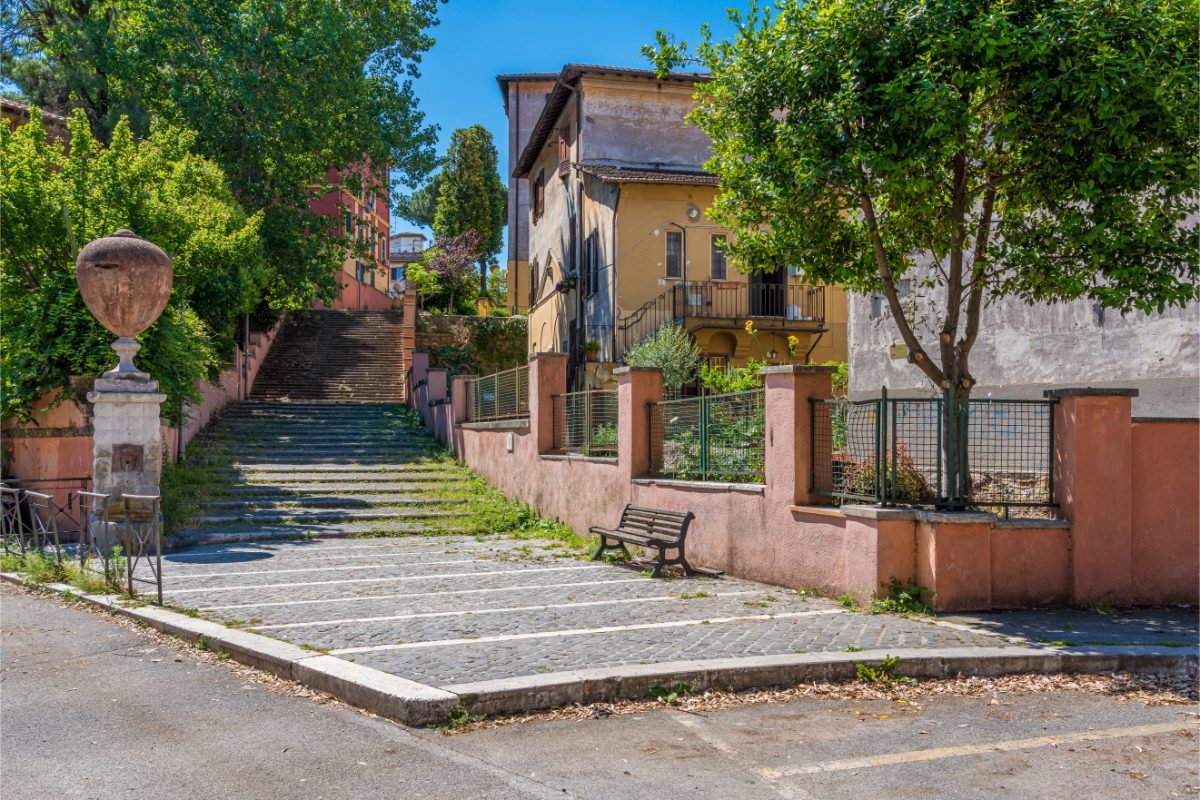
564,150
360,272
349,220
539,196
674,254
718,257
591,265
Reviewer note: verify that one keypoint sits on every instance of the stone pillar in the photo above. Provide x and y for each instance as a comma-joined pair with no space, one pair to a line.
459,397
637,387
419,380
1093,462
437,377
789,389
127,443
547,377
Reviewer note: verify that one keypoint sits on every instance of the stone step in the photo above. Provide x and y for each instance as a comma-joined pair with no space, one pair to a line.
265,502
255,533
365,439
337,479
293,491
299,516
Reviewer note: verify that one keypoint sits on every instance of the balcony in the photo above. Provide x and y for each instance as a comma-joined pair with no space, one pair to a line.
716,304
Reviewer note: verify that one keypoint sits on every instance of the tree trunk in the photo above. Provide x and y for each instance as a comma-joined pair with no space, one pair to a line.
483,277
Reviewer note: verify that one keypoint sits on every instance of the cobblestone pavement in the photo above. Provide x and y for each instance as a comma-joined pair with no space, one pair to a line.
459,609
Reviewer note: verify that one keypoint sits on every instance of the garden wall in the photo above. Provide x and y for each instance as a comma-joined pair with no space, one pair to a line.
780,533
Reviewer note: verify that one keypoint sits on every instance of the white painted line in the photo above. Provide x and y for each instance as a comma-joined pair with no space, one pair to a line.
682,623
450,593
333,568
935,753
479,611
173,592
180,570
309,545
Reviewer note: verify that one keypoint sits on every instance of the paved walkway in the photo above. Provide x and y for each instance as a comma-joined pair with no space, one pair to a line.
94,709
448,611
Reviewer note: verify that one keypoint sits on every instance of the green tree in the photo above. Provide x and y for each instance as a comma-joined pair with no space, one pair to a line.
471,196
53,202
289,99
670,349
420,207
987,148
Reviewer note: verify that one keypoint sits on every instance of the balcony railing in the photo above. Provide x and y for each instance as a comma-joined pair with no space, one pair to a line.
695,304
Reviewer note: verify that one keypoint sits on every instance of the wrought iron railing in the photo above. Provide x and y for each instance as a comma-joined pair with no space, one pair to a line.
711,438
586,423
792,305
28,523
943,452
503,395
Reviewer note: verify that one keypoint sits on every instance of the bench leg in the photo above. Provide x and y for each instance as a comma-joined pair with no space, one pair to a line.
687,568
604,545
659,563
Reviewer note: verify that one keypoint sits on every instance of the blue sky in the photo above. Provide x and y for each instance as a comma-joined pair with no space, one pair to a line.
480,39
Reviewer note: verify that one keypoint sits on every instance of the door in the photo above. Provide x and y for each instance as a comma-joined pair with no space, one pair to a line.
768,293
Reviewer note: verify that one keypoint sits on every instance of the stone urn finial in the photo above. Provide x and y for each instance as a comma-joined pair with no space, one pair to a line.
125,282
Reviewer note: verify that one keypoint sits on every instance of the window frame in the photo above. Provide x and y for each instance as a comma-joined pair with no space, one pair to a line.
678,254
591,264
538,195
718,253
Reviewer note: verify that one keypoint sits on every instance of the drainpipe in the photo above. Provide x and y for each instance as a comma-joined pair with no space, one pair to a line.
614,275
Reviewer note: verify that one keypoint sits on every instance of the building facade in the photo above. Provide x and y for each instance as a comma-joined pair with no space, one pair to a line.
619,240
363,217
524,96
403,249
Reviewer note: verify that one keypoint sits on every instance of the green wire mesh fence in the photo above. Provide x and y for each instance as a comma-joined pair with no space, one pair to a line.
586,423
714,438
949,453
503,395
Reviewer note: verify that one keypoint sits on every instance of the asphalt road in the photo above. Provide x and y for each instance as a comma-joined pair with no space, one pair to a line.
93,708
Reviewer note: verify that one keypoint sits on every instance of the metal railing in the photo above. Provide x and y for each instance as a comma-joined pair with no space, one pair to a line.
28,523
712,438
944,452
586,423
503,395
122,541
793,305
64,491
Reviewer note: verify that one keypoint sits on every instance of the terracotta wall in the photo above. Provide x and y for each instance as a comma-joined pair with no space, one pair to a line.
779,533
1166,511
354,295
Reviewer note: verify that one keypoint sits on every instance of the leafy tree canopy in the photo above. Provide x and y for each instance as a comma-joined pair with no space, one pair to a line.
471,196
53,201
420,207
287,98
989,148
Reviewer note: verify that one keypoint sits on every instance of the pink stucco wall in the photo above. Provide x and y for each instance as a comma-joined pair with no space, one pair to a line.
1166,511
777,532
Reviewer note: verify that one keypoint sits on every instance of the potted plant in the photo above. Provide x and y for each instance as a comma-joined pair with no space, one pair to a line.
566,284
591,350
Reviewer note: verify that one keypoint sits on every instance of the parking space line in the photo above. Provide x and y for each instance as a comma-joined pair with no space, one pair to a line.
447,593
682,623
332,568
243,588
480,611
935,753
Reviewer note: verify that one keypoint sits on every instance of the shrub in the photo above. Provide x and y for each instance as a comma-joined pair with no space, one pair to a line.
670,349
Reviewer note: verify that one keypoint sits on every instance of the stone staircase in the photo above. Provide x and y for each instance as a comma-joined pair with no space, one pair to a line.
343,356
278,469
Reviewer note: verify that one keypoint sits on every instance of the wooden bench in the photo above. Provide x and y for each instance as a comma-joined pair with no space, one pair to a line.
649,527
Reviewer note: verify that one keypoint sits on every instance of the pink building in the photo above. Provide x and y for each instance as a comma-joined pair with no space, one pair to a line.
363,217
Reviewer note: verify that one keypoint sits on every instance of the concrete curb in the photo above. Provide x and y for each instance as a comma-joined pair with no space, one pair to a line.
415,703
607,684
378,692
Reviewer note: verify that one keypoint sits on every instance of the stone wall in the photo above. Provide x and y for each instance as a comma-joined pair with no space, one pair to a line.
481,345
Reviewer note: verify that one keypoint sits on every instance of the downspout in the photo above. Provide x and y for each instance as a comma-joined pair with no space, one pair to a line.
809,351
612,271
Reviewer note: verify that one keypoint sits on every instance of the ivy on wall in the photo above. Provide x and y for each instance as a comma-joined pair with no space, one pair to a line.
479,345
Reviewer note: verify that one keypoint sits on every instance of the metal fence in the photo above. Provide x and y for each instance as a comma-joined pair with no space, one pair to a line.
122,541
503,395
991,454
586,423
28,523
712,438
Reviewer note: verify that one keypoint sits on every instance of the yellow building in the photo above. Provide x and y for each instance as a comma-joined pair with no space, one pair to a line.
619,240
